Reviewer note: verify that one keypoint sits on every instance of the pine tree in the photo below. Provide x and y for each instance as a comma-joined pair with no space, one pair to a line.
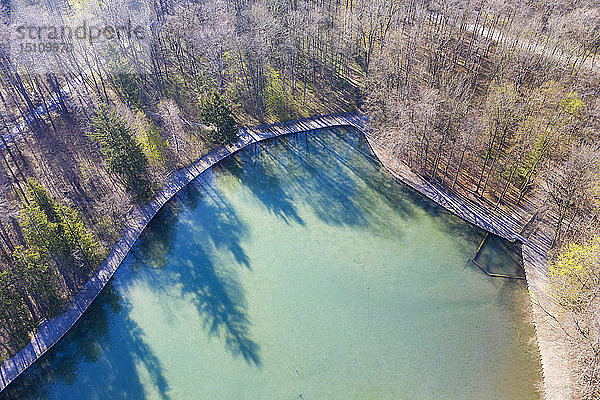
39,280
58,247
125,156
14,315
216,112
57,233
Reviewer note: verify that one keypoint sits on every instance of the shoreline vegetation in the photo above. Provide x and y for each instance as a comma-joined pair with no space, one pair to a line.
494,102
52,330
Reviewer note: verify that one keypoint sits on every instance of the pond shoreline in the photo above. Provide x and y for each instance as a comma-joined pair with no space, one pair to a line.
535,248
50,332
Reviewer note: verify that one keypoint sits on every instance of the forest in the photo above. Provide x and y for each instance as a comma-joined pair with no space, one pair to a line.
496,101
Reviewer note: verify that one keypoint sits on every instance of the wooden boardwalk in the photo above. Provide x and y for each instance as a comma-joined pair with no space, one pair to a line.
503,226
554,350
53,330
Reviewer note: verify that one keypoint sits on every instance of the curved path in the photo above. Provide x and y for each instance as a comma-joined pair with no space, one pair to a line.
51,331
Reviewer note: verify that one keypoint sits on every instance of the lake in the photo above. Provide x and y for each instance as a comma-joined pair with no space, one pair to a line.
298,269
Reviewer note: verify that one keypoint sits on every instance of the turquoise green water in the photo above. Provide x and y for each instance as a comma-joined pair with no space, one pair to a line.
297,270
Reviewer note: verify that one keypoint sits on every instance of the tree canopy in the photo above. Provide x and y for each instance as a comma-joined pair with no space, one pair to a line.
216,113
124,156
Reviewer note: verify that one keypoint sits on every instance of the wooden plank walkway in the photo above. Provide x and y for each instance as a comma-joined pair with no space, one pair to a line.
535,248
53,330
500,225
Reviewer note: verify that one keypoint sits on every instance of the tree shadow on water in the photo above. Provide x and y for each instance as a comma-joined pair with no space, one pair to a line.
217,221
331,171
212,282
349,148
220,301
250,169
97,359
195,264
